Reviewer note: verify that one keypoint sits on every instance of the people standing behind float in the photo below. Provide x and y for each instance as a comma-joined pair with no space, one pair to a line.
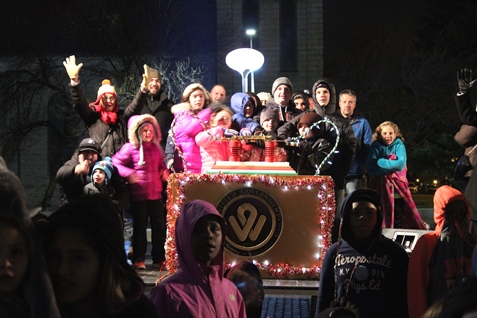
325,107
282,89
364,268
152,100
467,137
265,98
75,174
258,107
386,165
307,156
104,121
300,99
141,162
441,260
363,134
212,148
269,123
243,107
189,120
218,93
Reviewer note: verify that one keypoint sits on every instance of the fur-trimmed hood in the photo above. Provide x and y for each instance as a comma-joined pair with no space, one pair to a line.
181,107
136,122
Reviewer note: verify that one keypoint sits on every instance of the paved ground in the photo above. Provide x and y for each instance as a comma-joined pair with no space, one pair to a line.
283,298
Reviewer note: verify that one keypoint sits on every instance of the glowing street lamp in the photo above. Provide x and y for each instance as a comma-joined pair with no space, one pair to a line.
244,61
251,33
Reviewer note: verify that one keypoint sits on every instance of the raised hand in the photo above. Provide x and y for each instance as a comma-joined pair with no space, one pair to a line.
464,79
71,68
146,77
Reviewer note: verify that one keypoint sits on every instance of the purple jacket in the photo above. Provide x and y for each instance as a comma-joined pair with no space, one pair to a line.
186,127
195,290
128,161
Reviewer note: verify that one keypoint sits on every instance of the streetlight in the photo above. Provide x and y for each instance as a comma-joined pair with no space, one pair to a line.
244,61
251,33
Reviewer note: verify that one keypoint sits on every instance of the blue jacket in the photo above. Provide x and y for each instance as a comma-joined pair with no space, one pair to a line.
363,134
237,103
378,164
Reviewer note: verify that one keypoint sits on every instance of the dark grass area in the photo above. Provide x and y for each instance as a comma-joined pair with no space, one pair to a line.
423,200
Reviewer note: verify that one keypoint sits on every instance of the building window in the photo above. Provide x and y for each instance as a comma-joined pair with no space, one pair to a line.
251,20
288,36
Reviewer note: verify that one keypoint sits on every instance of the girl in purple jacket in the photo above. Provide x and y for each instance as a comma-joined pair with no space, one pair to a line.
141,163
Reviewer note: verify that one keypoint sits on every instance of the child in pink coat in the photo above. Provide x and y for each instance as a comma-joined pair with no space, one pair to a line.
141,163
212,148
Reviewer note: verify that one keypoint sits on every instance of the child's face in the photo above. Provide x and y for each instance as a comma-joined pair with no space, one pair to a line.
302,130
197,100
73,266
14,259
206,240
248,109
99,176
147,132
388,135
299,103
270,124
222,119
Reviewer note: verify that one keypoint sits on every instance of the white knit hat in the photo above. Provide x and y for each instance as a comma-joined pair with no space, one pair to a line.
106,88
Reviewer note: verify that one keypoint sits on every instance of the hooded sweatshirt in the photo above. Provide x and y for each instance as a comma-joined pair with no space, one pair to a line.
237,103
145,159
374,272
441,259
196,290
37,285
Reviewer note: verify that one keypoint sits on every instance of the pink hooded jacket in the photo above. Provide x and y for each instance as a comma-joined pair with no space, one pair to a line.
186,127
212,149
192,291
145,159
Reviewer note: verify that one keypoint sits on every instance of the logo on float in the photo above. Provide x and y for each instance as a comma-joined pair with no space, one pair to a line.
254,221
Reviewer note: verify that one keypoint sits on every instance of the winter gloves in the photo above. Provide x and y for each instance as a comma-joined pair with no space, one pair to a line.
464,80
145,79
71,68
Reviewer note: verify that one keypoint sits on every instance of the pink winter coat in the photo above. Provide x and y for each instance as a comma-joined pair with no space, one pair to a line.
128,161
196,290
186,127
211,149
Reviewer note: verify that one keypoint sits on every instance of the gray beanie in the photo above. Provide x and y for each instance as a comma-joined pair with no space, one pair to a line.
268,113
281,81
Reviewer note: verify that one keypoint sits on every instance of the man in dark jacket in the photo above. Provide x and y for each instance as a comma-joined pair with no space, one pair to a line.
76,173
153,101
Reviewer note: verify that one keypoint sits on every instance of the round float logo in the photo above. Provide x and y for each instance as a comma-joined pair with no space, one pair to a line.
254,221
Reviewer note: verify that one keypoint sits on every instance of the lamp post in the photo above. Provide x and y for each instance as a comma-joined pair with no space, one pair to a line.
244,61
251,33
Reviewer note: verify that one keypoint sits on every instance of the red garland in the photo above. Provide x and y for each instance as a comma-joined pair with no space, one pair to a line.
325,195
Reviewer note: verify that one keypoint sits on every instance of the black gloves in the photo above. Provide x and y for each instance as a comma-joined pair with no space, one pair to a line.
464,80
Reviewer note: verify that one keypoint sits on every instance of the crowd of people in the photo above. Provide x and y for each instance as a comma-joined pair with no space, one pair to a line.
122,169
